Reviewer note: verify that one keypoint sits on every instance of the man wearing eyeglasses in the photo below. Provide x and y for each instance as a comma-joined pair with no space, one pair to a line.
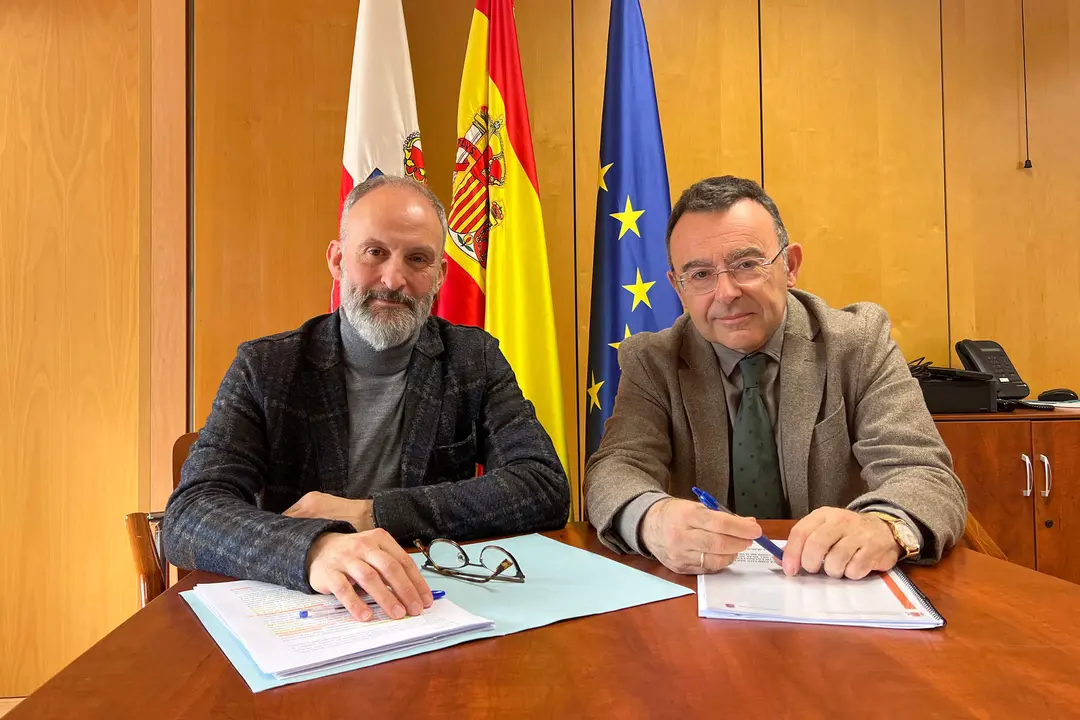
329,445
767,398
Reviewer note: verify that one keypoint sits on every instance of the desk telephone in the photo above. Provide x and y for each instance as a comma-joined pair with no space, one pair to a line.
989,382
989,357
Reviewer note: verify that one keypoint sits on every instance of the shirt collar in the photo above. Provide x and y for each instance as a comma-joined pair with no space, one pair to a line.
772,349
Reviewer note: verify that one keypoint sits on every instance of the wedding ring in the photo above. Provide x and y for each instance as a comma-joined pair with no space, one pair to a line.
701,562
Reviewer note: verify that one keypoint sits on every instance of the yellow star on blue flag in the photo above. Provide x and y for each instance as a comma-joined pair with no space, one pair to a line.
603,171
640,291
628,219
617,344
594,394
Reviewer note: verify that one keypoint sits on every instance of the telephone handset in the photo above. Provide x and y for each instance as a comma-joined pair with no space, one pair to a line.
989,357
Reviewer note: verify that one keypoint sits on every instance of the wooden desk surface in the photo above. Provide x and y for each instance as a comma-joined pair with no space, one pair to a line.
1060,413
1011,649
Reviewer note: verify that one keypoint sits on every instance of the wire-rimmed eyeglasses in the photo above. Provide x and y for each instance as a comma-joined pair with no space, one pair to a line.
744,272
448,558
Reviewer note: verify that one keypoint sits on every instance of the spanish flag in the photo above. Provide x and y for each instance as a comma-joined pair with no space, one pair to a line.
497,275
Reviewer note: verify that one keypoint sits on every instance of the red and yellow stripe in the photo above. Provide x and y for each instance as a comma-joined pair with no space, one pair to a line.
511,298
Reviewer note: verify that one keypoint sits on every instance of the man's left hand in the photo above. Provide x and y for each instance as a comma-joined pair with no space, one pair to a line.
842,543
357,513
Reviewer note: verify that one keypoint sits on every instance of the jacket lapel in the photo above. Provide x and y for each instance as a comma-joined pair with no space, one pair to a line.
802,383
706,410
323,387
423,405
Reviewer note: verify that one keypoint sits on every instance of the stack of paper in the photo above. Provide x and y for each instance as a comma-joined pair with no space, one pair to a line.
1059,403
754,587
266,620
563,582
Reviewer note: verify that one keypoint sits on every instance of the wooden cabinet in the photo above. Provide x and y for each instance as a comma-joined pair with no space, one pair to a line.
991,459
1056,452
1021,471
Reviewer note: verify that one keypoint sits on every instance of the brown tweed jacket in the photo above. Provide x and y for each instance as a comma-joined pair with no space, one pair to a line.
853,423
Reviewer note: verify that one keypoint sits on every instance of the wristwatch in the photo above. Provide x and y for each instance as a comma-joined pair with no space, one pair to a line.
902,534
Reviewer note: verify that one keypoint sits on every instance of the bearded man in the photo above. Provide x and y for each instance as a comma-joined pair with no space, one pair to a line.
329,445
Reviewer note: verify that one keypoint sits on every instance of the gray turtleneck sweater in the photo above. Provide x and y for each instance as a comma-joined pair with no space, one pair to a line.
375,384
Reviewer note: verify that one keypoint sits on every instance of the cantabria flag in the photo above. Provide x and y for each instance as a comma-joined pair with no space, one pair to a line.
382,136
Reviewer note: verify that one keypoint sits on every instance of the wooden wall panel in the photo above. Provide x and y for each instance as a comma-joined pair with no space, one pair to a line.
705,65
1014,261
852,140
164,197
438,33
70,328
271,83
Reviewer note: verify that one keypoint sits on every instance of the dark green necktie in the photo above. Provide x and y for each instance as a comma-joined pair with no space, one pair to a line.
755,466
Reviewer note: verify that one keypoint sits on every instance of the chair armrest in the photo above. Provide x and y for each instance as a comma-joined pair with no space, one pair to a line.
143,550
976,538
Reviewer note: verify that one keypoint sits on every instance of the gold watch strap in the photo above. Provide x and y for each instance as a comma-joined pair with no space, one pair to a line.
907,551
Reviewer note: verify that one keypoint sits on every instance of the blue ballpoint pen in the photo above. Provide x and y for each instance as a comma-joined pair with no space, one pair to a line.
710,502
334,609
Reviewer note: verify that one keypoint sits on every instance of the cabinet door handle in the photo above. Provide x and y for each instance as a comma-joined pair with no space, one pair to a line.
1030,475
1048,475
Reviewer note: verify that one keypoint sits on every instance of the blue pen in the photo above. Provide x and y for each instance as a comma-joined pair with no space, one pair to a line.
334,609
710,502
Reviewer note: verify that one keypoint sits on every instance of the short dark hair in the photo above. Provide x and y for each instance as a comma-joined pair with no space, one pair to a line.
718,194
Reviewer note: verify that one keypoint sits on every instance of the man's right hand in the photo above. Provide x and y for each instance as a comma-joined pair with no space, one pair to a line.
373,560
690,539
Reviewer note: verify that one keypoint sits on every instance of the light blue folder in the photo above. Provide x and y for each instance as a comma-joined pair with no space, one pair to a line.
562,582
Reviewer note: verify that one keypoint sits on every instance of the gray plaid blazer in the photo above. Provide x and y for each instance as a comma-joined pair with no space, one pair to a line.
279,428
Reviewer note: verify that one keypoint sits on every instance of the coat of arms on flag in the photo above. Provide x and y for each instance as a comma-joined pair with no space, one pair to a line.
414,158
479,164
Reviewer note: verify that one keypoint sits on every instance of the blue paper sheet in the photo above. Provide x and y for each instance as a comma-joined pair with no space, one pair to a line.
562,582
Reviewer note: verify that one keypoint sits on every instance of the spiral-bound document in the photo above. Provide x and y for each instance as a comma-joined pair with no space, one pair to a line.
266,620
754,587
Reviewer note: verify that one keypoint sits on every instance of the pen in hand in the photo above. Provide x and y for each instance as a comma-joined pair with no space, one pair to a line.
710,502
322,612
330,610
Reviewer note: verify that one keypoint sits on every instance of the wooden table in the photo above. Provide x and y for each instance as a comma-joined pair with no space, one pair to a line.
1011,649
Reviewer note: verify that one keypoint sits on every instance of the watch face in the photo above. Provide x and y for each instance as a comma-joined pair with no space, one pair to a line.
906,535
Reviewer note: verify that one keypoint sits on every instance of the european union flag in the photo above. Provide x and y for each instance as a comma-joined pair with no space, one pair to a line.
630,291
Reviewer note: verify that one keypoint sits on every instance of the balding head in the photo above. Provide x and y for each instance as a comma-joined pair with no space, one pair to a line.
389,258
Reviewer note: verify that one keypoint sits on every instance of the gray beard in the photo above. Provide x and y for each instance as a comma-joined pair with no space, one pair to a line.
385,327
